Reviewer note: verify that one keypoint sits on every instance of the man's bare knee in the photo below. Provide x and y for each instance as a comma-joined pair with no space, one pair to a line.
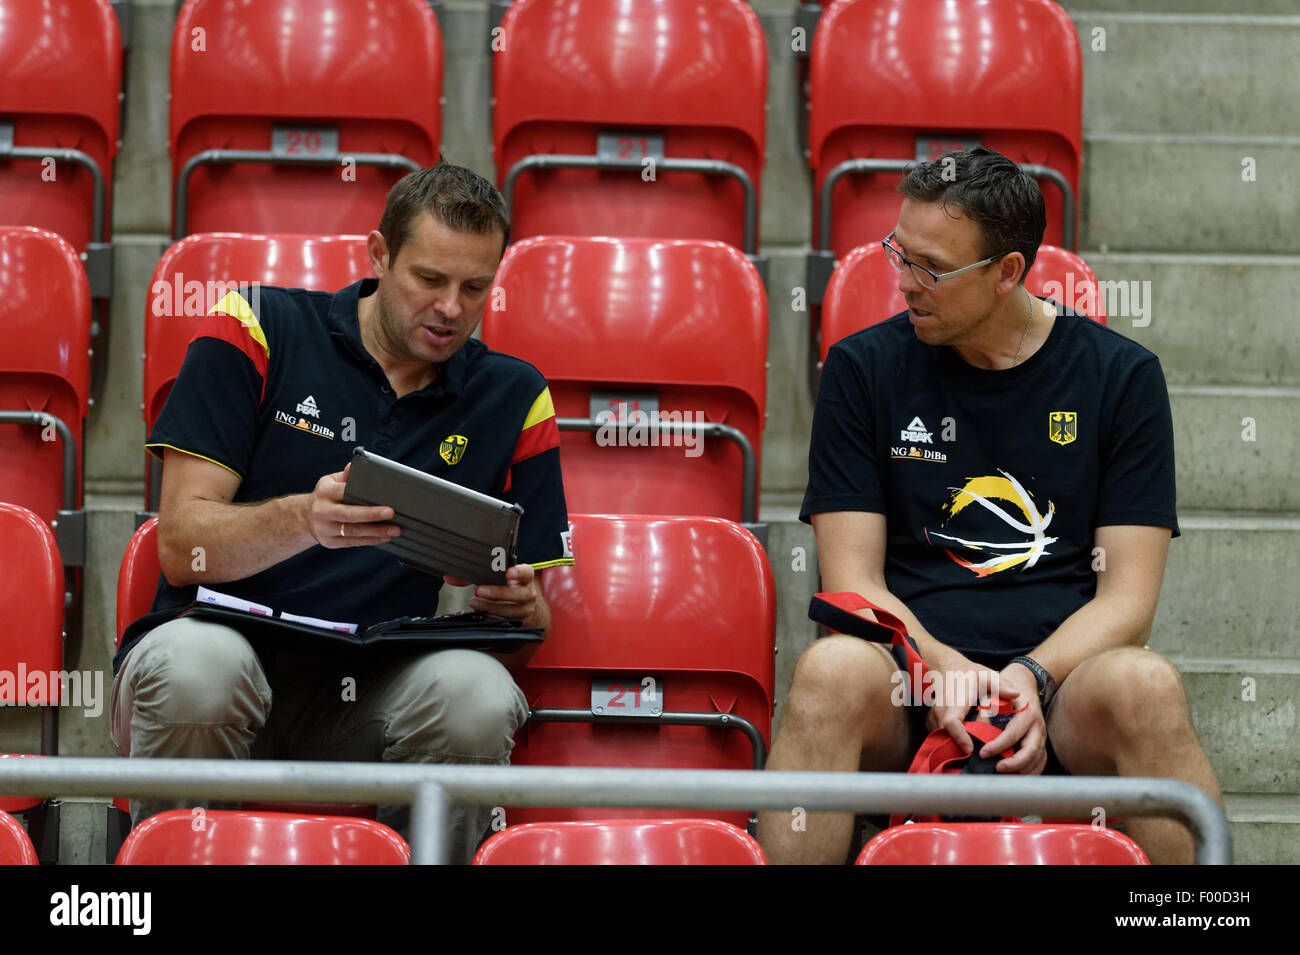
839,678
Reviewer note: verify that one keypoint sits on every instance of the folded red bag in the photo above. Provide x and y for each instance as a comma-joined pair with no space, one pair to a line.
939,752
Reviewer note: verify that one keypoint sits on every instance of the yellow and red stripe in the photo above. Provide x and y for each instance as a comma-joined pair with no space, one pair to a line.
538,434
232,320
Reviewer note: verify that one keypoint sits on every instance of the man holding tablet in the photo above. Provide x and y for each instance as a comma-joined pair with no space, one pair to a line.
277,390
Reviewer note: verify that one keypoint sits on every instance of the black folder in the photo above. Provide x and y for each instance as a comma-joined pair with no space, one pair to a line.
474,630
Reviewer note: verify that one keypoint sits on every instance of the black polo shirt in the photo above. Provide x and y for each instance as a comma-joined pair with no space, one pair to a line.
277,388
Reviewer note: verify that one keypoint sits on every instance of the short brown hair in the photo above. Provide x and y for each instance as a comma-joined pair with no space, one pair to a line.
1002,199
460,199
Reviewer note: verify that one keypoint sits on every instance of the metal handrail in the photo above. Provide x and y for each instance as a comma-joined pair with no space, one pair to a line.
98,190
40,419
432,789
852,166
713,167
208,156
706,429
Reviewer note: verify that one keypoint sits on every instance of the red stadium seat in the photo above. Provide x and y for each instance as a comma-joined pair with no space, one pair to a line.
989,843
678,80
137,577
137,583
299,115
897,80
220,837
622,842
864,290
44,378
195,273
612,321
60,77
15,847
31,645
670,617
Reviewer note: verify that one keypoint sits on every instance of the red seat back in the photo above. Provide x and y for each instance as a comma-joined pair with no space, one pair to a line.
685,319
137,578
60,76
196,272
695,73
15,847
990,843
863,289
249,838
687,602
622,842
44,364
891,76
373,71
31,604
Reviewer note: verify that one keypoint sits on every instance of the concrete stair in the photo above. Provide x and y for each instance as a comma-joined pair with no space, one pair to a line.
1184,91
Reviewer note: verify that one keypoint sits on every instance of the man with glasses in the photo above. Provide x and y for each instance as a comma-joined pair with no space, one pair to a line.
998,472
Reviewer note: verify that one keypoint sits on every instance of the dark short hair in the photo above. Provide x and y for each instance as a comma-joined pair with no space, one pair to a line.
460,199
988,188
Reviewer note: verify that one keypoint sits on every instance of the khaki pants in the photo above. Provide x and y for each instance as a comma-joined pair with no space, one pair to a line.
196,689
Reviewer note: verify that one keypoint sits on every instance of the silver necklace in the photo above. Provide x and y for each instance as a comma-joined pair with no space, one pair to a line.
1029,321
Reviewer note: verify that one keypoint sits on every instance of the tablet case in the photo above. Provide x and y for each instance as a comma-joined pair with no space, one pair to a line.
446,528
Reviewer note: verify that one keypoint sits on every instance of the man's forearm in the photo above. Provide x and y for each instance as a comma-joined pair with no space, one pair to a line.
209,542
1096,626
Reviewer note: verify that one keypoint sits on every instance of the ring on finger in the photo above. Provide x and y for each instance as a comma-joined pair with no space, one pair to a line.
341,528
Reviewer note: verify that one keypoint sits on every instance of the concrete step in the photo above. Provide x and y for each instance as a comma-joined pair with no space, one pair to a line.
1188,73
1189,301
1265,828
1221,464
115,427
142,174
1185,192
1246,716
1221,593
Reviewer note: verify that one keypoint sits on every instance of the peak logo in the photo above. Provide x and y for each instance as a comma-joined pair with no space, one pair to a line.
308,406
917,432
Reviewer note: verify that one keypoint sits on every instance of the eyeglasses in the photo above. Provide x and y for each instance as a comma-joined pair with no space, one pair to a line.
923,275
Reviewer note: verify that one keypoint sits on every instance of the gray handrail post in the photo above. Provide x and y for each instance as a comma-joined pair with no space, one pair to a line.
430,822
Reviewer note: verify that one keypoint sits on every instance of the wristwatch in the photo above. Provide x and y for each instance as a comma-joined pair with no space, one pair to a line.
1046,685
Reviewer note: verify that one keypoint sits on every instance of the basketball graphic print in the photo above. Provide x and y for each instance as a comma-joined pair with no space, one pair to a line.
992,524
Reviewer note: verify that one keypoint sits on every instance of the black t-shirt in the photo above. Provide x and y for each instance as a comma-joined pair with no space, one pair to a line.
277,388
992,482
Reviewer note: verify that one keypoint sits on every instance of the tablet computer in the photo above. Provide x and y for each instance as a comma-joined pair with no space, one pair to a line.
446,528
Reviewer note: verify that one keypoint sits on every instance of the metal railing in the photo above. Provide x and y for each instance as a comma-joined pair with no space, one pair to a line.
431,790
181,196
710,167
707,429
